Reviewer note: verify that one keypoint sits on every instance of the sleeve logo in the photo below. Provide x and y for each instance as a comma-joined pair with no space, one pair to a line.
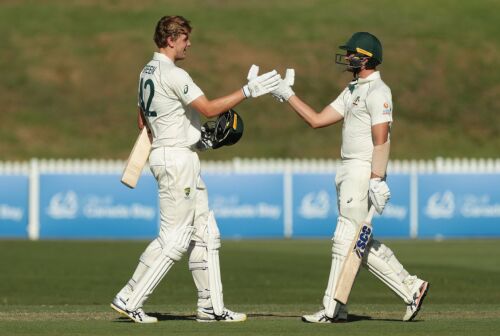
387,108
186,89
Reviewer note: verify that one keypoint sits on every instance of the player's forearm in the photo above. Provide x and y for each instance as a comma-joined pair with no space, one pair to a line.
306,112
381,149
328,116
212,108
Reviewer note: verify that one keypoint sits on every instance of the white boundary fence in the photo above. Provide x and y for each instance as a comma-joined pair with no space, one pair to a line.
239,165
35,167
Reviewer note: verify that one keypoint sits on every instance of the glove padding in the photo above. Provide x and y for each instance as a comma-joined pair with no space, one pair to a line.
284,90
206,139
379,194
260,85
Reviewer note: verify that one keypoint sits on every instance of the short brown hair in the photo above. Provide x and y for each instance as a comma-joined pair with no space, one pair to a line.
170,26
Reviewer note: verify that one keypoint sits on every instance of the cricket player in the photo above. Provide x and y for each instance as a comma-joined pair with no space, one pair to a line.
170,104
365,107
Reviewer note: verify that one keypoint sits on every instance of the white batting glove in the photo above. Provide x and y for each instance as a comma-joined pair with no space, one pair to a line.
260,85
379,194
284,90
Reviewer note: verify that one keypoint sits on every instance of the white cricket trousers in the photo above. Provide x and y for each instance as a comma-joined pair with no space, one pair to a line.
352,183
177,171
183,206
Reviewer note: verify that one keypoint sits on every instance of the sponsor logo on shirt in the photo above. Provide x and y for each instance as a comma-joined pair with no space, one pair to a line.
186,89
387,108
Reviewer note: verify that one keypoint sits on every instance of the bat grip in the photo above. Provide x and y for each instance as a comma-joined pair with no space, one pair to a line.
371,212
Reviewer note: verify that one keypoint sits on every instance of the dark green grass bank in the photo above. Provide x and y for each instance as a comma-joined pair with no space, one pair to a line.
69,72
64,288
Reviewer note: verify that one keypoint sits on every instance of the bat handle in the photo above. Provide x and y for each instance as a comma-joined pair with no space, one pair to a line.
371,212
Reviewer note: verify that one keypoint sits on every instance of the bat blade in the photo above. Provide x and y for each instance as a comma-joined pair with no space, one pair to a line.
353,259
137,159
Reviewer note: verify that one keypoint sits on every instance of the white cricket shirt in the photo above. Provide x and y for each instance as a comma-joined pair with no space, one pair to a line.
363,103
165,92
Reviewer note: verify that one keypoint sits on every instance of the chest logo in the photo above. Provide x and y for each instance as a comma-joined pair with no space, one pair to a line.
356,101
187,191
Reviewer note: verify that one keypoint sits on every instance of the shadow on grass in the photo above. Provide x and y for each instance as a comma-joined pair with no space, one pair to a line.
160,317
351,318
171,317
357,318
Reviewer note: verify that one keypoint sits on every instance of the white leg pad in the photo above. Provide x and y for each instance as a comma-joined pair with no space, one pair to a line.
198,265
381,262
215,282
171,251
145,261
342,239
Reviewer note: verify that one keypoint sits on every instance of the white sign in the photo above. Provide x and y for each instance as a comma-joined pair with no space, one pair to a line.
230,207
8,212
440,205
315,205
66,205
443,205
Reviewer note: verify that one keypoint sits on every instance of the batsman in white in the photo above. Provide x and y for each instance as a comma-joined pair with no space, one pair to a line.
365,107
171,104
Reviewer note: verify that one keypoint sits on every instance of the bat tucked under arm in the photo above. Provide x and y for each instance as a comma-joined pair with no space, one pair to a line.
139,154
137,159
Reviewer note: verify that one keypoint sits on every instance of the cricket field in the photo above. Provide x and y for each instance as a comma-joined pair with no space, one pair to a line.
65,287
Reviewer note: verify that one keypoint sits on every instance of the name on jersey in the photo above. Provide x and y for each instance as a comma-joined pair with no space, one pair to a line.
149,69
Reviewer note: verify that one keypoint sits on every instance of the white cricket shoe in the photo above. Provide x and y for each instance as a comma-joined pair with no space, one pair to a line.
321,317
208,315
420,288
137,315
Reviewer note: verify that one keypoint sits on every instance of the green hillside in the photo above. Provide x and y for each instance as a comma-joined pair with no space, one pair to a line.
69,69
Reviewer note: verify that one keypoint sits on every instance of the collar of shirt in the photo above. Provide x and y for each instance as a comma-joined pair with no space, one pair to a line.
352,85
161,57
372,77
360,81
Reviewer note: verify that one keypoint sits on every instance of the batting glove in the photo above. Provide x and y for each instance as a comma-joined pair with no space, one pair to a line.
260,85
205,141
284,90
379,194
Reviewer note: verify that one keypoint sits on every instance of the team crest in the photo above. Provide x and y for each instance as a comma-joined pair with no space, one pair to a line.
187,191
356,101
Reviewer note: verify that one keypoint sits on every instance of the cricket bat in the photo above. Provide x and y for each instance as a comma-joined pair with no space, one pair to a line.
353,259
137,159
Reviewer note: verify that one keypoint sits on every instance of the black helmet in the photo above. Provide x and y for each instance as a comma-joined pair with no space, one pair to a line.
228,129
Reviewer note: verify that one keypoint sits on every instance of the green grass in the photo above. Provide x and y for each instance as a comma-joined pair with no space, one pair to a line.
64,288
69,72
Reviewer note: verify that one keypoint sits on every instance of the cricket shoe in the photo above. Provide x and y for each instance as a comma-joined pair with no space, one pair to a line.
208,315
420,291
321,317
137,315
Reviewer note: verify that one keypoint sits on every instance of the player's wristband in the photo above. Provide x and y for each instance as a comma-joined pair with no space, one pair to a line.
246,91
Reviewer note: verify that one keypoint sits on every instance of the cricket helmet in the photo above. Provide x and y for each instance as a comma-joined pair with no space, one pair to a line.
226,130
362,45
